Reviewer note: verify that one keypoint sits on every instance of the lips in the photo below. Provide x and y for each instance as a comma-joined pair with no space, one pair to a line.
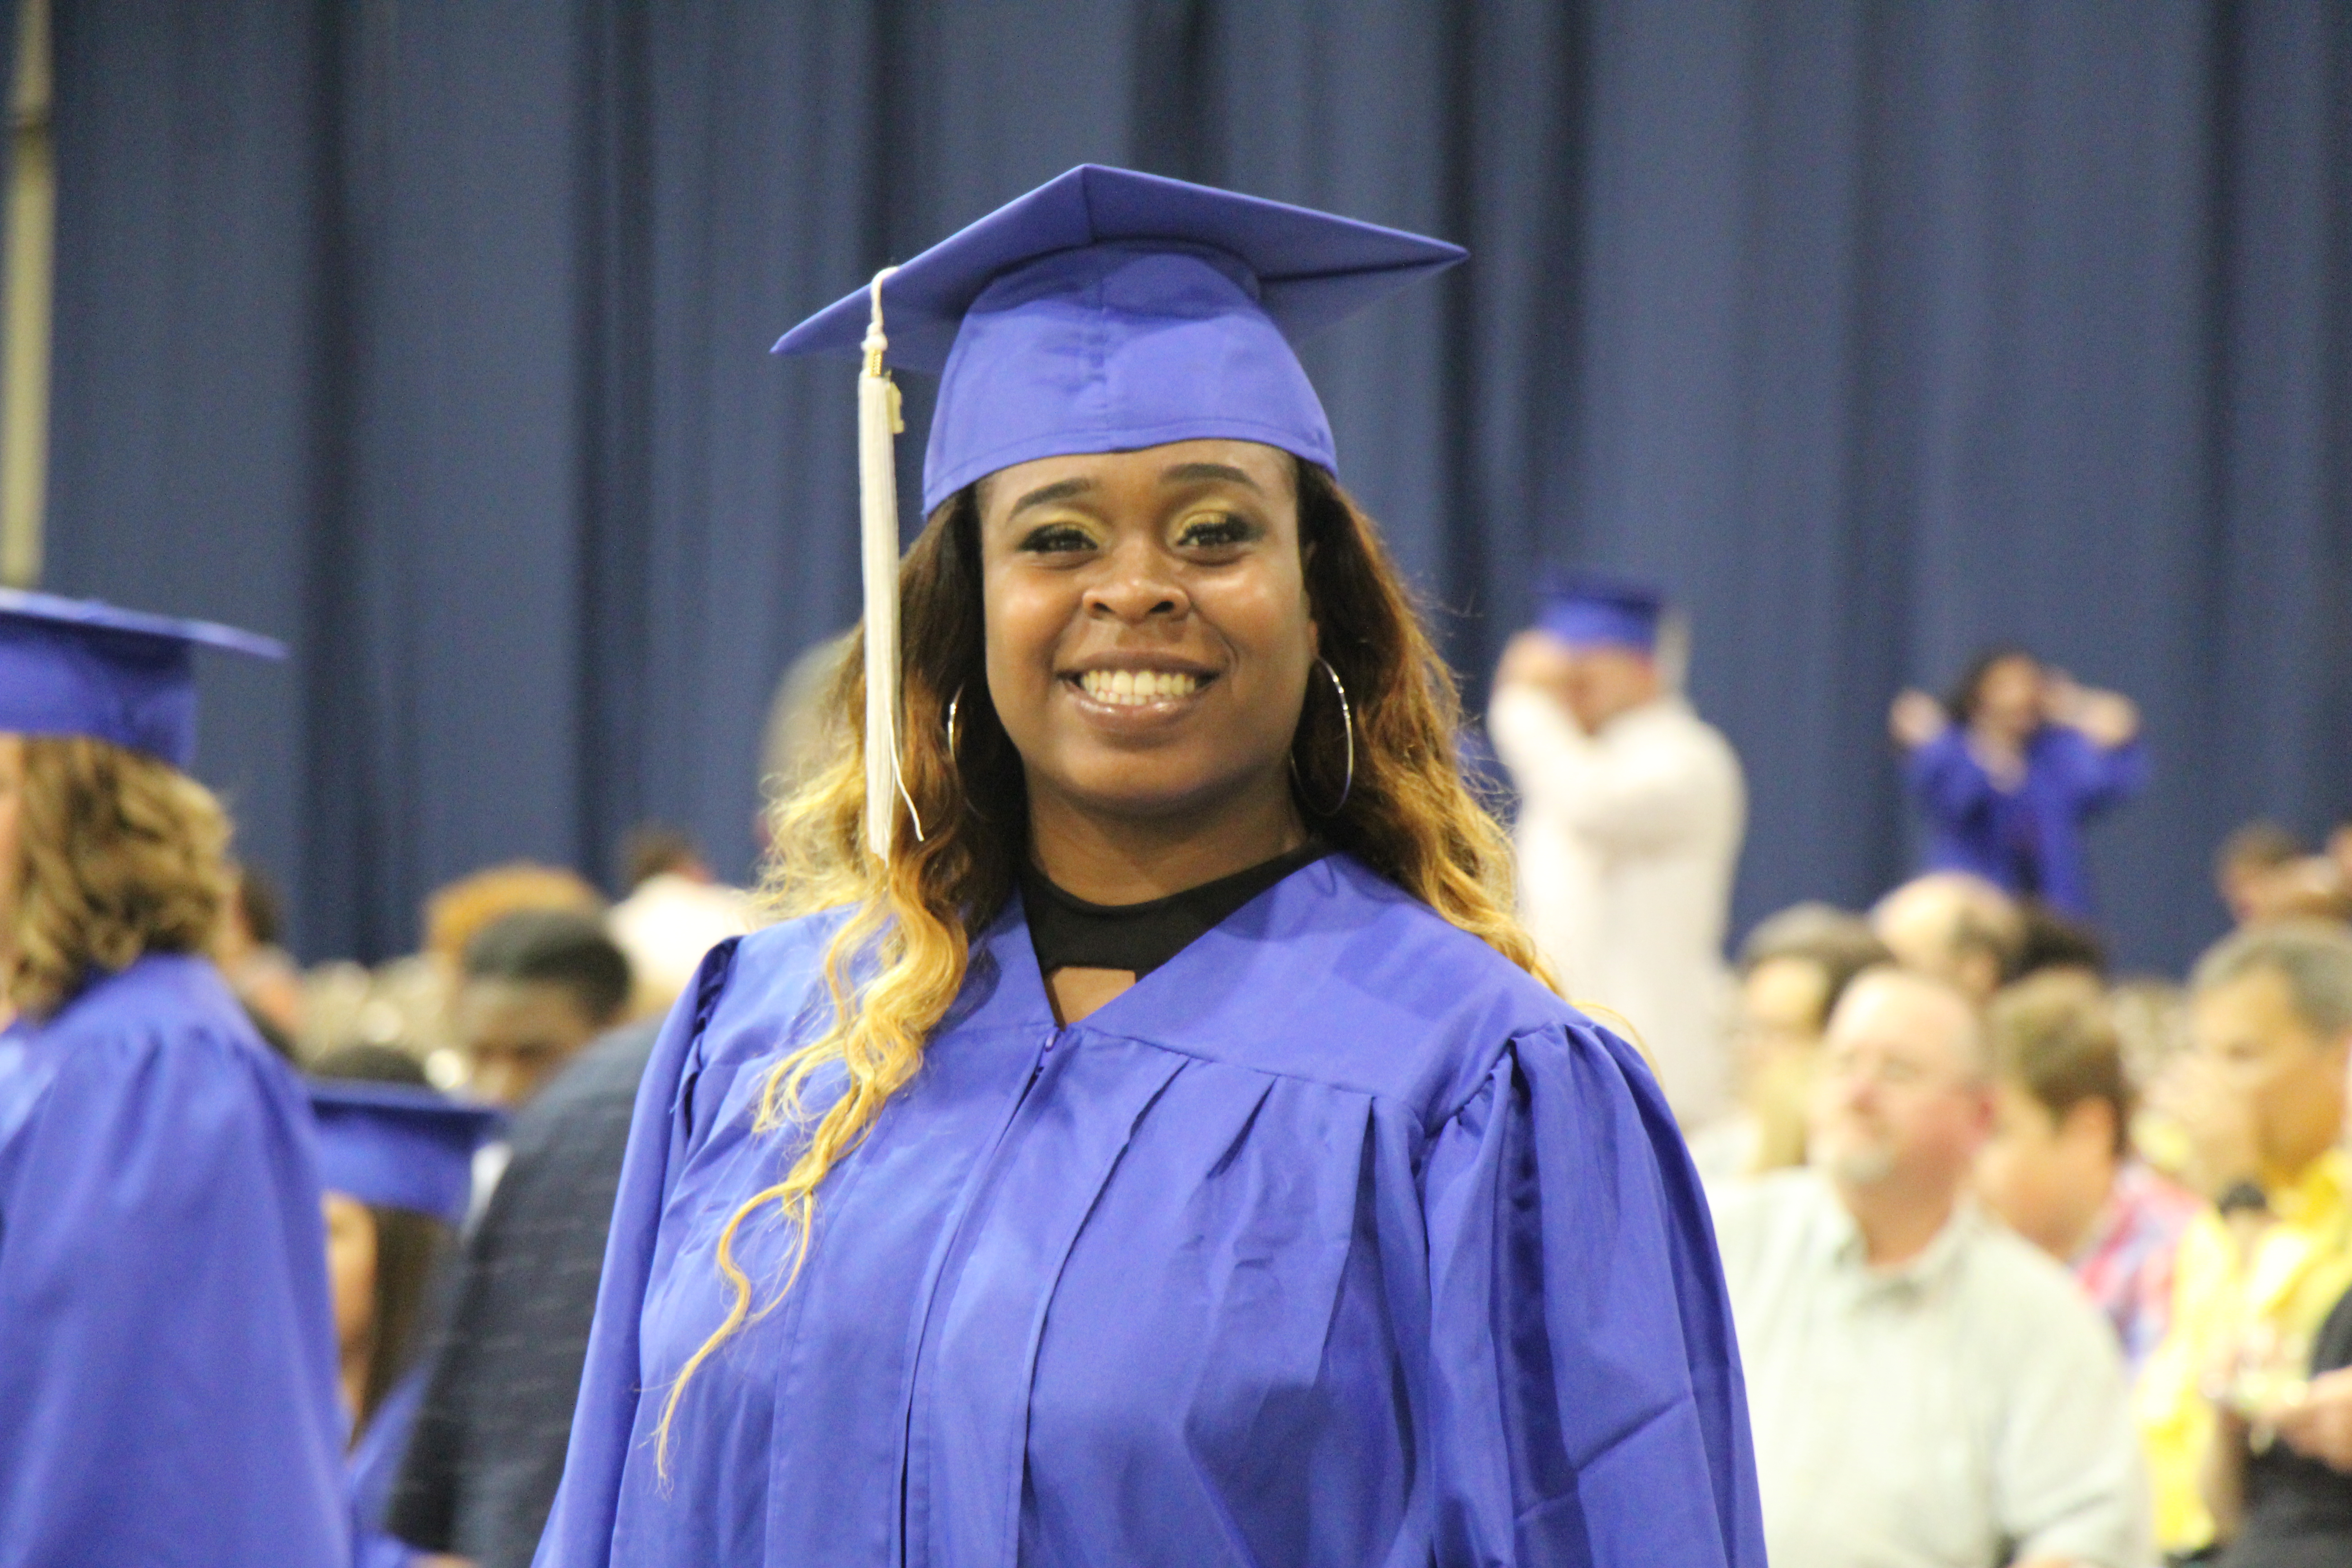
1138,688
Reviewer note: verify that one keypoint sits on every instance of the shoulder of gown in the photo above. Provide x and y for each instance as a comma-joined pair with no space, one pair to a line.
167,1382
1339,977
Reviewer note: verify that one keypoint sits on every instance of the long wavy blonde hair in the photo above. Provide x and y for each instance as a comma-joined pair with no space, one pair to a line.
120,855
897,962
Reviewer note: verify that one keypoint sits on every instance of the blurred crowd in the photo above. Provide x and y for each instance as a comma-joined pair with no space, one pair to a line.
2031,1262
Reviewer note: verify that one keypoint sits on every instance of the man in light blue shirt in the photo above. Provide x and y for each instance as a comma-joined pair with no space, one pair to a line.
1925,1388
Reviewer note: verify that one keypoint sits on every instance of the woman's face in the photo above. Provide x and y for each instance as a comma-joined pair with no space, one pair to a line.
12,844
1149,632
2009,697
350,1270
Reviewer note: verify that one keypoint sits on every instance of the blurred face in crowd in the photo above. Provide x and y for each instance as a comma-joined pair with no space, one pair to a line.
1784,999
1604,682
1781,1005
2010,698
1899,1102
1924,924
2291,1076
2047,1176
2306,887
351,1271
518,1034
1148,635
12,849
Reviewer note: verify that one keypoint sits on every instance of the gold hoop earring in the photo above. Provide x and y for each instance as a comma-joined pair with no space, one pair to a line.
949,723
1348,728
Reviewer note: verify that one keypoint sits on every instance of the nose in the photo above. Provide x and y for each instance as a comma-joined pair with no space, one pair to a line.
1138,583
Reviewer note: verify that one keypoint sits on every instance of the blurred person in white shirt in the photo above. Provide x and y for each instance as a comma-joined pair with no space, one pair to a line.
676,911
1632,809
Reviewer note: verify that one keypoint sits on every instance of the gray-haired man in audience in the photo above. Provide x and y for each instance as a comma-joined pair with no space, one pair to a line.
1925,1387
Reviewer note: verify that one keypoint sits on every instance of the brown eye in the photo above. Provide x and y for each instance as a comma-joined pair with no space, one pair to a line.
1055,538
1218,533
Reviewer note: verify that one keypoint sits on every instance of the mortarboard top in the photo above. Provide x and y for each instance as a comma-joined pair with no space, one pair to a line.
391,1145
1587,608
76,666
1104,312
1107,311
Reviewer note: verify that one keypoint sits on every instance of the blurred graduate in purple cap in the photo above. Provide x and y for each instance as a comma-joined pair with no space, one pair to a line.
1146,1140
2009,770
1631,812
167,1371
396,1161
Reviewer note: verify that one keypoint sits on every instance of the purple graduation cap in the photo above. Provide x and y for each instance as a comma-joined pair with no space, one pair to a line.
391,1145
1104,312
1589,608
76,666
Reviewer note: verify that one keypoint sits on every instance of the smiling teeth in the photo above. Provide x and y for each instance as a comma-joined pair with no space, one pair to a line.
1134,687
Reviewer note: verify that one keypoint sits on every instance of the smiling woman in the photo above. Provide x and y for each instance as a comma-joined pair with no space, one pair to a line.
1165,1152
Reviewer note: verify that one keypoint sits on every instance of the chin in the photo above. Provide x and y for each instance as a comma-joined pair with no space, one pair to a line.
1142,787
1858,1167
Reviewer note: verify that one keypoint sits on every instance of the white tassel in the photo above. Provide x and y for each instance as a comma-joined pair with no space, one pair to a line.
877,500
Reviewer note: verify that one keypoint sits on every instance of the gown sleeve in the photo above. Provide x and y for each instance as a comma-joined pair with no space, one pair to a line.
167,1381
1587,1400
1950,785
580,1528
2099,776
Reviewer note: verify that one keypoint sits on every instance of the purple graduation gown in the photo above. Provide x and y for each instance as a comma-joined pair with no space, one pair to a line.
167,1367
2028,840
1336,1240
373,1466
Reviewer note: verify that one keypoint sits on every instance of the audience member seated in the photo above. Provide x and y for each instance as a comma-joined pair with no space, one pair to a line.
2265,873
481,1471
406,1002
538,984
1925,1387
2059,1167
1794,967
2151,1020
1953,926
2282,1490
2251,868
2050,942
676,911
2263,1103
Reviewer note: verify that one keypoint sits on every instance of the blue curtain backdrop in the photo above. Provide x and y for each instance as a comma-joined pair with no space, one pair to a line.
430,336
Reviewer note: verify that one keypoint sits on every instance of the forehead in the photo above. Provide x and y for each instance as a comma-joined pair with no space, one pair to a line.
1899,1015
2259,1000
1178,466
1791,981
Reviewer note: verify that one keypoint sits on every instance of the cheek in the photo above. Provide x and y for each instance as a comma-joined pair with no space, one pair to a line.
1262,612
1024,619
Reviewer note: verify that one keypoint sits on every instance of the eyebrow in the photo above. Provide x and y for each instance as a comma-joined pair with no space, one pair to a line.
1061,490
1194,473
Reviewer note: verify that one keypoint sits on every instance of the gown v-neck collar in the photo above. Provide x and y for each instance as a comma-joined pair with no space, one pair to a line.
1185,987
